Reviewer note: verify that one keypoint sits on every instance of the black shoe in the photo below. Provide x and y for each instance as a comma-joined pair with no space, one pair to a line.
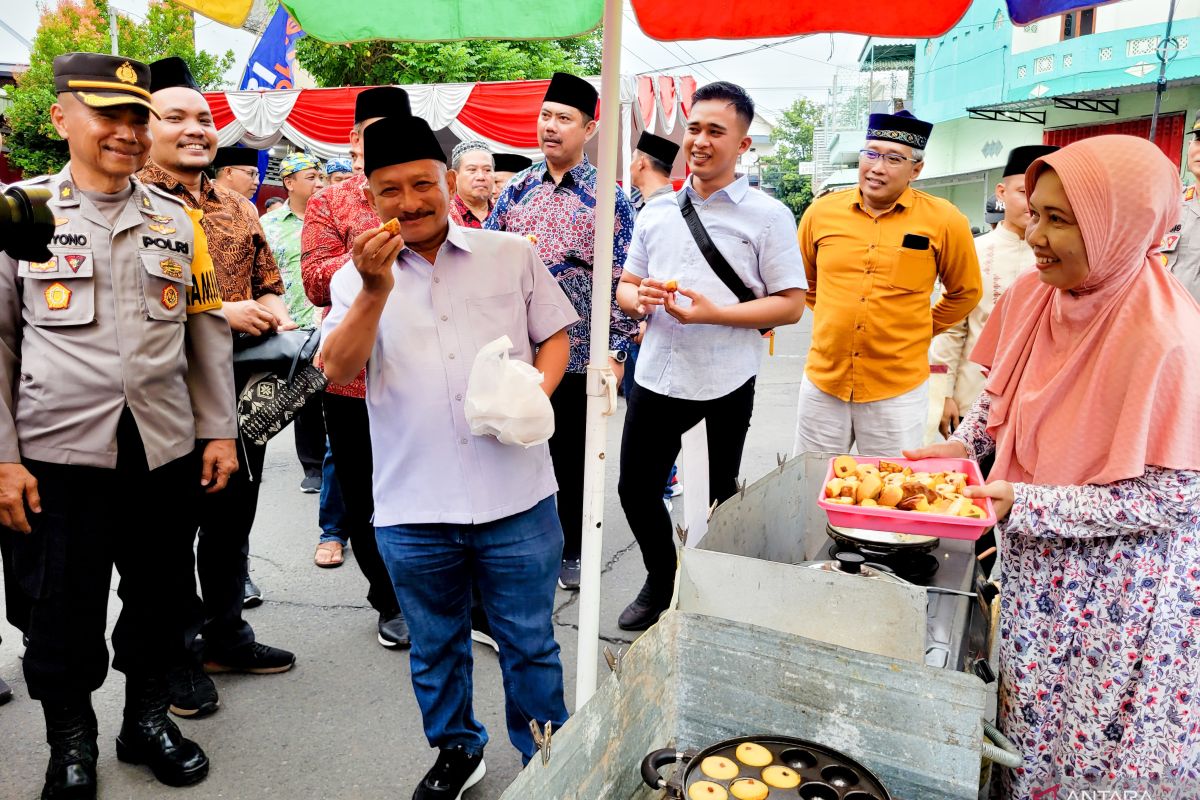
253,658
643,612
453,774
193,694
568,574
481,629
311,484
5,692
252,596
71,733
393,631
148,736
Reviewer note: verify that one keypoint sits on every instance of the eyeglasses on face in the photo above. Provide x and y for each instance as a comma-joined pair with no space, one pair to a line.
253,173
892,159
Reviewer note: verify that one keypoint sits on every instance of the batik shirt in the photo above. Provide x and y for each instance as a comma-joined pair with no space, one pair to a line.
561,218
282,227
462,215
245,268
1099,624
335,217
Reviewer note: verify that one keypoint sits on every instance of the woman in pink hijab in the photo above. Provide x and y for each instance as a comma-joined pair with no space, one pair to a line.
1092,409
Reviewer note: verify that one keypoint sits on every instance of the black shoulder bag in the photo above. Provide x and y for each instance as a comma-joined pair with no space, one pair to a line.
713,256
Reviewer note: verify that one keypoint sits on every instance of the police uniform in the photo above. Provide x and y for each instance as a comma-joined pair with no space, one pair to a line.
114,358
1181,246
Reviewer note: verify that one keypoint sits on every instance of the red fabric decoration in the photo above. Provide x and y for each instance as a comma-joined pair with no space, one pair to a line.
221,112
500,111
645,95
689,88
666,94
762,19
326,115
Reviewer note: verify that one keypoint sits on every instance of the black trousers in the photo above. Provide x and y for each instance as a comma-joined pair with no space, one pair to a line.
350,441
650,443
139,519
309,429
222,550
566,450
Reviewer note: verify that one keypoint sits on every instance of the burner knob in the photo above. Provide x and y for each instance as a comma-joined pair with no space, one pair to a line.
849,563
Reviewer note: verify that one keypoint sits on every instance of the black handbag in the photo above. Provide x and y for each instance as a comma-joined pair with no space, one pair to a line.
276,377
713,256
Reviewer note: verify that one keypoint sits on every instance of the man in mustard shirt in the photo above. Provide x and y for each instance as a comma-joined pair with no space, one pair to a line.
872,255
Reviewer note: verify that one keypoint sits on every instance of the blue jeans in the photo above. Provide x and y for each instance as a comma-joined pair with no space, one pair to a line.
332,511
515,562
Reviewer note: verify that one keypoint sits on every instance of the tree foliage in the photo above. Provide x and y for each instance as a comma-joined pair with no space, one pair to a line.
83,26
793,138
382,62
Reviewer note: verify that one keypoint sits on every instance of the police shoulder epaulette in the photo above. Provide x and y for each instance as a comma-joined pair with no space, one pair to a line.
163,193
40,179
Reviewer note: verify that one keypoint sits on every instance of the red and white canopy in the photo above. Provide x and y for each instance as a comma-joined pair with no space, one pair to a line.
503,114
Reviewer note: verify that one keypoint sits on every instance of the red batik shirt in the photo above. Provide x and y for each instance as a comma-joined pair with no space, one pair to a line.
334,217
462,215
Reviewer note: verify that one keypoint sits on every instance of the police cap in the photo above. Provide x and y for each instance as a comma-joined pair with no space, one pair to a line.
102,81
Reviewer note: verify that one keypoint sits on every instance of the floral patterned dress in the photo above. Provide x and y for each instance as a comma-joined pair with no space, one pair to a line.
1099,621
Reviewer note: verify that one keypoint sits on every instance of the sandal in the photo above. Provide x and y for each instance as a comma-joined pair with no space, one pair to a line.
328,555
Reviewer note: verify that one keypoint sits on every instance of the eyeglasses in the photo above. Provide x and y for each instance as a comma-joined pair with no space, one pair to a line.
892,159
253,173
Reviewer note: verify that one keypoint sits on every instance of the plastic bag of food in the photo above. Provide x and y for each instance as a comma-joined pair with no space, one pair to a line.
505,398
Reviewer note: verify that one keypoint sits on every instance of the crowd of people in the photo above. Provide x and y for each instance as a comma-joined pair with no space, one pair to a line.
1056,350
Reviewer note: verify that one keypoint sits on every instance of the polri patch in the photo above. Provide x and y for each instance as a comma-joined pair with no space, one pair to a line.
75,261
170,298
44,266
163,229
58,296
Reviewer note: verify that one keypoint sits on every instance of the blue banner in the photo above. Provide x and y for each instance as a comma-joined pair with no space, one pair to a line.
272,65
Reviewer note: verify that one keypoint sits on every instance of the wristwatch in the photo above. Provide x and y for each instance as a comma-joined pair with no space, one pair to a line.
618,356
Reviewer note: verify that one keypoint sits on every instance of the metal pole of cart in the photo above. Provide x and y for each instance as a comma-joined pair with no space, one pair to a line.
601,382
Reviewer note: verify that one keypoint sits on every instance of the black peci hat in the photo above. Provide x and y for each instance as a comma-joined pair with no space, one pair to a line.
656,146
381,101
102,81
572,91
1022,158
235,157
901,128
399,140
511,162
168,72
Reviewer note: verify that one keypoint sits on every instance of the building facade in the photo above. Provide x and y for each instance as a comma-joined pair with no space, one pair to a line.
990,86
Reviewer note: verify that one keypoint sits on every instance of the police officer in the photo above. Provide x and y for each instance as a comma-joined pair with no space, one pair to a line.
114,363
1181,245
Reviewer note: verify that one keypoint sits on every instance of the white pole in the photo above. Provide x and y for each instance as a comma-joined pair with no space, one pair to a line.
600,375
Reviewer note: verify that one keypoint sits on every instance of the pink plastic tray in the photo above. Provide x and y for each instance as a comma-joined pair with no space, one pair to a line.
896,521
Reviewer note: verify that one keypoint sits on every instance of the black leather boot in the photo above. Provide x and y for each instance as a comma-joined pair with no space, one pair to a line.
71,733
149,737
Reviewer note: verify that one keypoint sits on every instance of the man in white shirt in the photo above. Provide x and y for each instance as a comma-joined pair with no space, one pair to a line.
1003,254
452,508
702,346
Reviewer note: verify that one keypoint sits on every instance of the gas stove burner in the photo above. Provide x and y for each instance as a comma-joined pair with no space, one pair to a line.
918,568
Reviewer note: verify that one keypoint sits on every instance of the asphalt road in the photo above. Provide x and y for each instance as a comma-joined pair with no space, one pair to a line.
344,724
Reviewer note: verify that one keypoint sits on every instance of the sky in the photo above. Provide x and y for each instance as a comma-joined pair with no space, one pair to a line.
775,75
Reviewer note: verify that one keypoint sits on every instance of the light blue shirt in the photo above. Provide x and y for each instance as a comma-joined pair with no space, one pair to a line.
757,236
428,466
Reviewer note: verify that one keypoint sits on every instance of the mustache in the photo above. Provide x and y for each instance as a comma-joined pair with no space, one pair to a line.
413,217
